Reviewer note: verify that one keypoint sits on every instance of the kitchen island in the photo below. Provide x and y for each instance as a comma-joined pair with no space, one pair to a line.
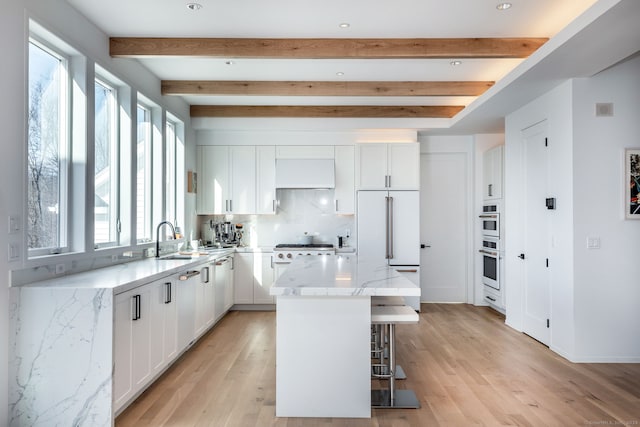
323,316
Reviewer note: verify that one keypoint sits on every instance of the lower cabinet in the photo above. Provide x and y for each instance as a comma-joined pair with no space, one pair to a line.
145,337
156,322
253,277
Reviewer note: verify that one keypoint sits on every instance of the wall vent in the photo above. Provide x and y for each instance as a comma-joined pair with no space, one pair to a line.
604,109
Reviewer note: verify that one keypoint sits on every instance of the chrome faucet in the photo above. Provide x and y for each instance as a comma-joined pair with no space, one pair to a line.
173,230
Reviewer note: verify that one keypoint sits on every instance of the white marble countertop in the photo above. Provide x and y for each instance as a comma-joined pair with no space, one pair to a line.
122,277
341,276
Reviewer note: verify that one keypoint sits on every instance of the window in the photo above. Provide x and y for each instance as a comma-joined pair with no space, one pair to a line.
47,151
106,218
174,176
143,176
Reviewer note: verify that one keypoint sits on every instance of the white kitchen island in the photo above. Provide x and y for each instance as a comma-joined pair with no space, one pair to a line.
323,311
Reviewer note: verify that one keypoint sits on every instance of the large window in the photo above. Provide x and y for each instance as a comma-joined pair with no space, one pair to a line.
48,151
106,218
143,176
174,175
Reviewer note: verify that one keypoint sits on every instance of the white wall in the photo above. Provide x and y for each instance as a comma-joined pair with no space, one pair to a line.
594,292
607,280
58,17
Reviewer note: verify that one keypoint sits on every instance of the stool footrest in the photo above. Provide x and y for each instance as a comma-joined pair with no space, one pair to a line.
404,399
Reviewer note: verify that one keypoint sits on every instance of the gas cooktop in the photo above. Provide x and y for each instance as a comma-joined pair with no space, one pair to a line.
306,246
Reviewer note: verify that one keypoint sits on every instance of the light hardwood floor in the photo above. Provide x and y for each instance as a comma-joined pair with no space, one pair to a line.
466,367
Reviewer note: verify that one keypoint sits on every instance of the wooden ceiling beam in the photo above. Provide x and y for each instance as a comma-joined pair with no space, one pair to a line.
324,88
314,48
322,111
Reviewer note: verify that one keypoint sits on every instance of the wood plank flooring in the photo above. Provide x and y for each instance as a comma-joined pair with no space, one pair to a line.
465,365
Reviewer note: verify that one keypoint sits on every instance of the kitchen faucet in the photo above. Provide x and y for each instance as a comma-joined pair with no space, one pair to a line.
173,230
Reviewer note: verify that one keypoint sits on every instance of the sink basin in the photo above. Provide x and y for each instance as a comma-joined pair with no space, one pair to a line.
175,257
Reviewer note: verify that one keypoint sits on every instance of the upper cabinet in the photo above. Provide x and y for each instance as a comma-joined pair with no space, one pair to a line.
492,173
345,180
266,179
227,180
393,166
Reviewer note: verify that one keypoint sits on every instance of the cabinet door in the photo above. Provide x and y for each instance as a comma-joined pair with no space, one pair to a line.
243,278
403,166
487,174
345,179
262,279
221,277
242,199
371,166
170,304
204,306
266,179
140,352
229,284
492,173
213,180
157,322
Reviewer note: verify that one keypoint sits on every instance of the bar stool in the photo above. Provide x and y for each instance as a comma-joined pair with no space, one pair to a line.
379,338
390,316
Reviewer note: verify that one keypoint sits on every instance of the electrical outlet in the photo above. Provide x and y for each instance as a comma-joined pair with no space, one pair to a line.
59,268
14,252
114,258
593,243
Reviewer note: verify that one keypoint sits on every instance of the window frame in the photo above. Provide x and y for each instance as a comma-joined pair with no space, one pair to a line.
114,166
148,175
65,159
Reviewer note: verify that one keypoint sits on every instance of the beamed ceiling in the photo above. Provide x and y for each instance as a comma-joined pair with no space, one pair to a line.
407,59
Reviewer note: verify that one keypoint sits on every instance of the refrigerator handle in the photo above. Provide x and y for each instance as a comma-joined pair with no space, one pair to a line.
386,231
390,227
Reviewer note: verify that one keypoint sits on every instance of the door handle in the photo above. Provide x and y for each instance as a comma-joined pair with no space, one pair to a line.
422,246
521,256
390,226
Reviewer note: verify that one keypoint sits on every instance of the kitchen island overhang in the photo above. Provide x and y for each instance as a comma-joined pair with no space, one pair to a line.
323,321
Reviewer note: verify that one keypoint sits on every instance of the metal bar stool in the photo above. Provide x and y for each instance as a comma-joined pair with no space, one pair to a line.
390,316
379,336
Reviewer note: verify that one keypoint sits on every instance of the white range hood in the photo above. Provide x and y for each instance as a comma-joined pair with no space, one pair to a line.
305,173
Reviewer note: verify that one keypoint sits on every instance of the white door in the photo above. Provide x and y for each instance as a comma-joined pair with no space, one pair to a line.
404,240
372,225
536,234
444,227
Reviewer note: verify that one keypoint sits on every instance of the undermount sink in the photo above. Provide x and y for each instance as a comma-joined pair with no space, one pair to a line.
175,257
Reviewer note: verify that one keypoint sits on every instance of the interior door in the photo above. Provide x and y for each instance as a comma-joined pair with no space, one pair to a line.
536,234
444,227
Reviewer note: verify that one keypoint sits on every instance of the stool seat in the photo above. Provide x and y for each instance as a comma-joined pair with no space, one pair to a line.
393,314
387,300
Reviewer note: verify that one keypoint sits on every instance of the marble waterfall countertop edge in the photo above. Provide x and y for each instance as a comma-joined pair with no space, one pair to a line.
123,277
342,276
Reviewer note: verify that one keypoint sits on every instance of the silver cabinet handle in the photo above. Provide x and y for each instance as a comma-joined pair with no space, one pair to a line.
489,216
386,253
414,270
226,205
390,226
274,205
489,189
336,201
230,205
389,185
188,275
482,251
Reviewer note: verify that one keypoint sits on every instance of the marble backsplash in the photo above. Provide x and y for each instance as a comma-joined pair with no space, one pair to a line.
299,211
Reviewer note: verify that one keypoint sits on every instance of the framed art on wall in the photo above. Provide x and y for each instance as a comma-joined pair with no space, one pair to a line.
632,182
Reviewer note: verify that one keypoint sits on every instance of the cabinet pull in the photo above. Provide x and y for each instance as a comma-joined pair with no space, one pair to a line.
274,205
490,190
230,205
482,251
390,226
167,299
489,298
188,275
136,307
389,185
336,205
413,270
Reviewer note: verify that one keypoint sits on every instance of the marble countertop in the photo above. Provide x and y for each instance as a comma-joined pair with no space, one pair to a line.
342,276
123,277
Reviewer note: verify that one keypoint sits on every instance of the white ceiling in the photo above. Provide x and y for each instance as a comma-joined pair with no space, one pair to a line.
515,78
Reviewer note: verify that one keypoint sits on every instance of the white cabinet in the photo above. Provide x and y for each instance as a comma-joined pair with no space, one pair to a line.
492,173
266,179
392,166
253,277
223,283
345,179
205,300
262,278
145,337
227,181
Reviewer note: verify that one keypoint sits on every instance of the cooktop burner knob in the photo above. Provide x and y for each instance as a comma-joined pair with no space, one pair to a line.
280,256
288,255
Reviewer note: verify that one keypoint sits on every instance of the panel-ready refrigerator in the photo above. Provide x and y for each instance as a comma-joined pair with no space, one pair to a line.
388,224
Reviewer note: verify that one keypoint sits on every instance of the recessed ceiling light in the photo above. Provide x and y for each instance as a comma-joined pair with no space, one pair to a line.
339,74
194,6
229,62
455,63
344,25
503,6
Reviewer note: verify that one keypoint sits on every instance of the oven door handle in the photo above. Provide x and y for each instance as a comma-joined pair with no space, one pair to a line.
482,251
489,216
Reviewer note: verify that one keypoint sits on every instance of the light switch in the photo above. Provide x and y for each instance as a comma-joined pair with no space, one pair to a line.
14,252
593,243
14,224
